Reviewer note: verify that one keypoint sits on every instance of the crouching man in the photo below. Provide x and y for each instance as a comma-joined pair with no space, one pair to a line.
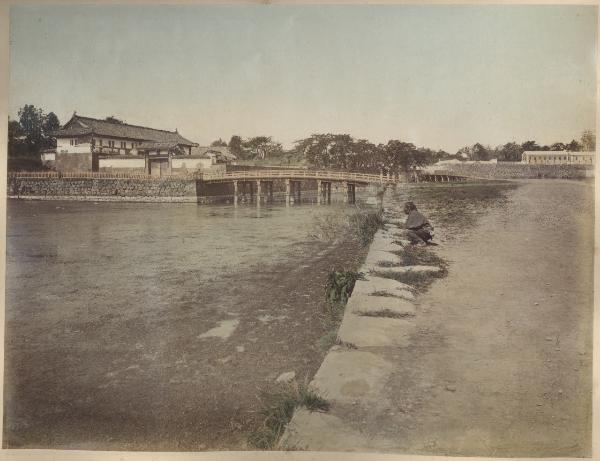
418,229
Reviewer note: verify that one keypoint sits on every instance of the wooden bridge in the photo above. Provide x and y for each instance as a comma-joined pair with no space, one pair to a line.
251,182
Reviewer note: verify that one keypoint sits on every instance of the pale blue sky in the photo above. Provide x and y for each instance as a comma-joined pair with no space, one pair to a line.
437,76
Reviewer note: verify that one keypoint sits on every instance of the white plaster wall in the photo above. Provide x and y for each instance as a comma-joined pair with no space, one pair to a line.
192,163
63,145
121,163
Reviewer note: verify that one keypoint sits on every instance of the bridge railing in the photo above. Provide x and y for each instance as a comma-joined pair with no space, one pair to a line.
296,174
217,176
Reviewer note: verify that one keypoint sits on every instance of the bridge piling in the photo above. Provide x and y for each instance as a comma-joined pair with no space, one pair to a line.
351,193
288,189
235,193
319,191
258,192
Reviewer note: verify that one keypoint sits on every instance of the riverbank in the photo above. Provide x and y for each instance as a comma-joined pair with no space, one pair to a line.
493,360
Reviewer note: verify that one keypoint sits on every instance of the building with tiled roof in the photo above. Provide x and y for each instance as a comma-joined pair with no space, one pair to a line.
83,142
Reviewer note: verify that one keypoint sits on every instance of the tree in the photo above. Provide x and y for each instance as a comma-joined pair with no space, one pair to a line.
465,152
235,146
588,141
31,120
327,150
574,146
218,143
16,139
510,152
263,147
530,145
49,125
400,156
558,146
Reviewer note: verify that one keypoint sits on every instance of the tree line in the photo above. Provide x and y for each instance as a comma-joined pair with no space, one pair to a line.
31,133
512,152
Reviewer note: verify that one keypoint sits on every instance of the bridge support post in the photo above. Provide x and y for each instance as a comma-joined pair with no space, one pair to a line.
258,191
235,193
345,186
270,191
298,192
288,190
319,191
351,193
327,193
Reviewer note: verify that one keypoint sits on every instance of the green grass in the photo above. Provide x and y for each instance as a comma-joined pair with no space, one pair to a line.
278,409
365,224
338,288
385,294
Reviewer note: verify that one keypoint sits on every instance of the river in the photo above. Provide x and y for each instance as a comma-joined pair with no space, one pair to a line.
118,316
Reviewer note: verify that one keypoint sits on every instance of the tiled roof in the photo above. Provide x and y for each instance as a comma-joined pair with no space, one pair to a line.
79,125
222,151
157,145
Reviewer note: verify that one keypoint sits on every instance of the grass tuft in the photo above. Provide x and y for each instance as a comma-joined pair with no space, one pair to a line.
365,225
278,410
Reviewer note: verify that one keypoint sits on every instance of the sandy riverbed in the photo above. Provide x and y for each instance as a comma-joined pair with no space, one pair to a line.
500,363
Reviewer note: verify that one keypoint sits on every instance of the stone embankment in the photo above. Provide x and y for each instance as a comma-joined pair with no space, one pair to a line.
354,374
517,170
170,190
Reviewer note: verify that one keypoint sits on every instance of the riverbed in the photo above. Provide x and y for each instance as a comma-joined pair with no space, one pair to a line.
159,326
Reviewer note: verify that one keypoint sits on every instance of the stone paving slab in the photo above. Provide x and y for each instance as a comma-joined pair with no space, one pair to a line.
382,285
321,432
377,257
374,331
403,269
381,305
385,283
348,376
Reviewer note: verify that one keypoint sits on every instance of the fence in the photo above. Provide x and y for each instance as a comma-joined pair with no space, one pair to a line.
219,176
99,175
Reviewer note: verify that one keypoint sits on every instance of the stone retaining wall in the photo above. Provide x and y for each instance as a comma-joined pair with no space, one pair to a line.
92,188
510,170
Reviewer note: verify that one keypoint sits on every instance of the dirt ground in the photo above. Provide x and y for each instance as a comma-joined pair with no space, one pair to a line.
501,360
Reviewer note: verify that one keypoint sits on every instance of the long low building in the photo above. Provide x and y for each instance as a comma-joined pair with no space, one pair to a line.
560,157
89,144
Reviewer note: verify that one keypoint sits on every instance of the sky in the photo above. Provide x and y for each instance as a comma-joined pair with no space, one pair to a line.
439,76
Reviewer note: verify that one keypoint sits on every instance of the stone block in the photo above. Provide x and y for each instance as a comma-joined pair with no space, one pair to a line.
404,269
317,431
374,331
349,375
382,285
380,305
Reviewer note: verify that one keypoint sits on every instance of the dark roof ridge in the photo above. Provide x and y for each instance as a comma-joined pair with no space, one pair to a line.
127,124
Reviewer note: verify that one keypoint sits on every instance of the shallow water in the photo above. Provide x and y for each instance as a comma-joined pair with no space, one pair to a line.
111,306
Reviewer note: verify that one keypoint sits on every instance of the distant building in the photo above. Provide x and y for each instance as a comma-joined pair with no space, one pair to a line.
90,144
561,157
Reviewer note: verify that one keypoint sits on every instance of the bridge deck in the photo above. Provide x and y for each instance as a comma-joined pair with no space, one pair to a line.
357,178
